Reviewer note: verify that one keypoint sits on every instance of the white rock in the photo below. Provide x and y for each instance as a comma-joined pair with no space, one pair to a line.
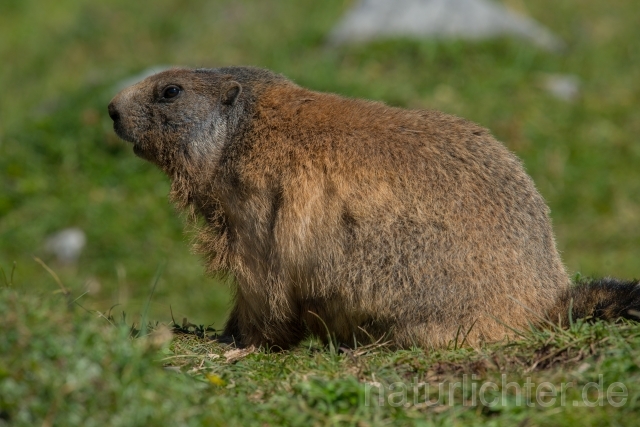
66,245
563,86
462,19
126,82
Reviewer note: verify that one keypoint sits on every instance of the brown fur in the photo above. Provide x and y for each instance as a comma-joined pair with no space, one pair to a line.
345,215
606,298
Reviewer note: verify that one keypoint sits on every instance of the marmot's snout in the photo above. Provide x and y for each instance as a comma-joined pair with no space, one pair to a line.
113,112
116,114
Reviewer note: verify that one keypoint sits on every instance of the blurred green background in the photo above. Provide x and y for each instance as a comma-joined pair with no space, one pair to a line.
61,165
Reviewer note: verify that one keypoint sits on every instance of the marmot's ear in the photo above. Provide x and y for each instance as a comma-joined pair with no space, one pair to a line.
230,92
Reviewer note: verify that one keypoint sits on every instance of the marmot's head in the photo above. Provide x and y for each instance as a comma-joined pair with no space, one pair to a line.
179,117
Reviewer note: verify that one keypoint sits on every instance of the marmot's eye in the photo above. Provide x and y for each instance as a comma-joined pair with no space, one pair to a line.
171,91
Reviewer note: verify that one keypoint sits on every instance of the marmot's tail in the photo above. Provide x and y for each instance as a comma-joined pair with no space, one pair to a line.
607,299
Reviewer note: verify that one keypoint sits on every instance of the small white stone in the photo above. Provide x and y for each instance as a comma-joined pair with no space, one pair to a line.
563,86
126,82
66,244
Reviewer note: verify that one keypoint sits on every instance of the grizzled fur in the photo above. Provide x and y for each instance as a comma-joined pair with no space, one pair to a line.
352,217
605,298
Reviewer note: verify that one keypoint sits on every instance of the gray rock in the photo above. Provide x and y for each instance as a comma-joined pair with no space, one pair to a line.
563,86
66,245
462,19
126,82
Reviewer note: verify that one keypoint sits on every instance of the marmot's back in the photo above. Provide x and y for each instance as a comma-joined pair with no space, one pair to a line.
414,215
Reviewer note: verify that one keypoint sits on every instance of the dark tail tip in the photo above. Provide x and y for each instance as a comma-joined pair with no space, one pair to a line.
606,298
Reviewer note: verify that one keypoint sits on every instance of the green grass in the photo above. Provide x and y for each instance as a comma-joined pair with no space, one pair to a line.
61,166
62,365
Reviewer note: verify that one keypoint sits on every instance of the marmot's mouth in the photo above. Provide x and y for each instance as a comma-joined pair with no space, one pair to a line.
138,147
122,133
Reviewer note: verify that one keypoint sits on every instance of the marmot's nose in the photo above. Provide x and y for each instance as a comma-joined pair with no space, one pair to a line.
113,112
